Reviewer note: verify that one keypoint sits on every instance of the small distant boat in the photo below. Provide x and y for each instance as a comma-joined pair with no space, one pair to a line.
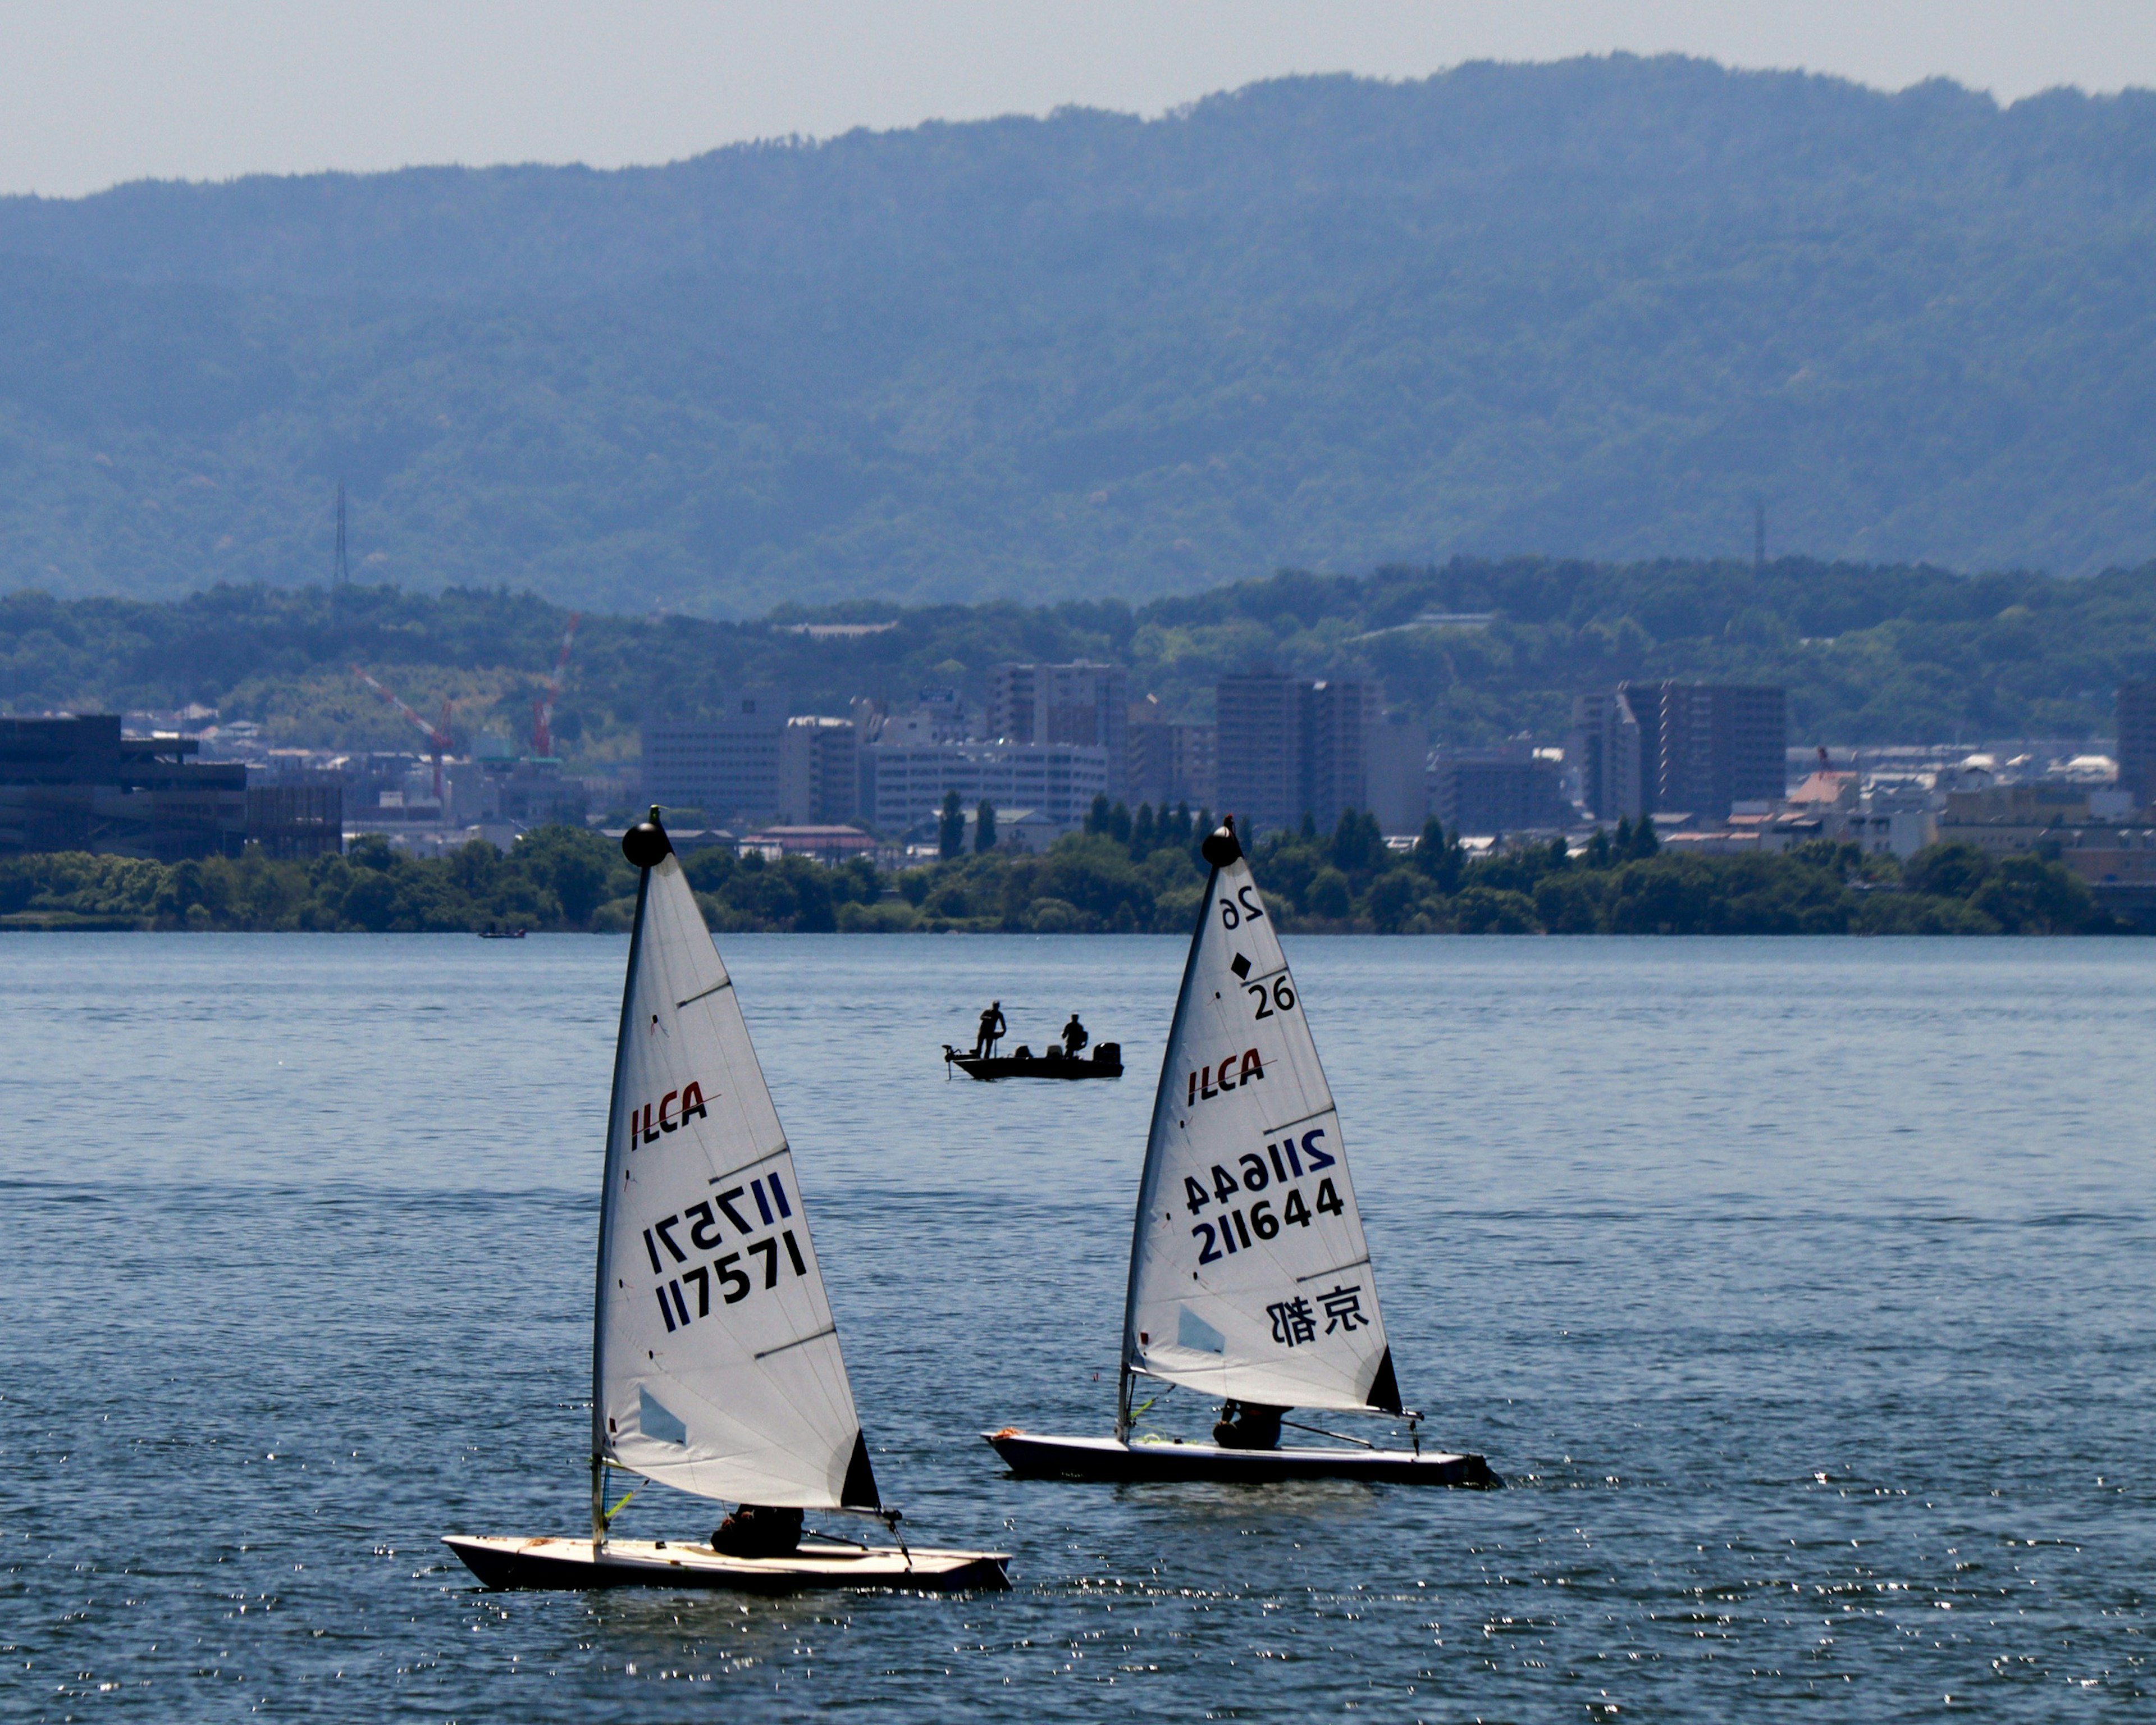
739,1392
1108,1062
501,934
1250,1277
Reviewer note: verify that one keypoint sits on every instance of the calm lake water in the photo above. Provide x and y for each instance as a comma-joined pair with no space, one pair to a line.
1801,1290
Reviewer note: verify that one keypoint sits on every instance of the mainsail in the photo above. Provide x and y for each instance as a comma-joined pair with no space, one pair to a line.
716,1362
1249,1278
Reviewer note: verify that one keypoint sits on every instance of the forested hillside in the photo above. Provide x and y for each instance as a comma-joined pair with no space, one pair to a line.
1869,654
1594,308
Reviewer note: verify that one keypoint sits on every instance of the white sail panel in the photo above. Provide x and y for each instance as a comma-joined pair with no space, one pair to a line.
716,1366
1249,1278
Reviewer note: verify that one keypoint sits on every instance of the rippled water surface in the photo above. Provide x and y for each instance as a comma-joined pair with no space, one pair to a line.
1800,1290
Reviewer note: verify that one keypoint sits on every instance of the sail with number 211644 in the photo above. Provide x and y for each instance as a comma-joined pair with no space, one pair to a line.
1250,1277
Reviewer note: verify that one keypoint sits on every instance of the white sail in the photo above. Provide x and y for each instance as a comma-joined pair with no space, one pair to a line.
1249,1278
716,1362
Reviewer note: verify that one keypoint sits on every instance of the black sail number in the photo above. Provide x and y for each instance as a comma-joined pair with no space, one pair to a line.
1280,994
1241,909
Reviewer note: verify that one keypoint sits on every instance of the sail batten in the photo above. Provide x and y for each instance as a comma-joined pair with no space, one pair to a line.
717,1365
1250,1275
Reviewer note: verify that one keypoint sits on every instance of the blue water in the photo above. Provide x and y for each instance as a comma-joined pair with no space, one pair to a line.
1800,1289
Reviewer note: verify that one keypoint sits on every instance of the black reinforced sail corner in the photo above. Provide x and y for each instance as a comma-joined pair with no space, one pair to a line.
859,1490
1385,1388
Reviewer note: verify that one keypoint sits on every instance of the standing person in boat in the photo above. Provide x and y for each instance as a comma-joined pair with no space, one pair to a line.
1074,1037
1248,1425
991,1031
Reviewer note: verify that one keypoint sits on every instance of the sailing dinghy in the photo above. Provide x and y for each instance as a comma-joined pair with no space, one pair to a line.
1250,1279
715,1360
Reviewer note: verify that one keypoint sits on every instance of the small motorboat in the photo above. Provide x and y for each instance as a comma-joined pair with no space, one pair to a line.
1108,1062
501,934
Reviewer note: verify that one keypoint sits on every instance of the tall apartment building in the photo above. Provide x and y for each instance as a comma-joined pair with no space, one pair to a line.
728,765
1169,761
1397,776
1342,719
1670,747
1079,703
903,784
1721,744
818,773
1288,746
1607,744
2137,741
1263,781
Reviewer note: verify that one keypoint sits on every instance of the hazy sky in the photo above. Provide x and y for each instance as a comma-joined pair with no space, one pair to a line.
96,91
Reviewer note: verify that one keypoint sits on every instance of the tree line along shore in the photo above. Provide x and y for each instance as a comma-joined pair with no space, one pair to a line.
1869,653
1123,875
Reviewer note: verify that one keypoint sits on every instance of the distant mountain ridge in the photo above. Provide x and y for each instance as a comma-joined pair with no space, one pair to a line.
1592,308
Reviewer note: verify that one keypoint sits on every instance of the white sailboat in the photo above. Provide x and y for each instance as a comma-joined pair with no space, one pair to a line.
1249,1278
715,1366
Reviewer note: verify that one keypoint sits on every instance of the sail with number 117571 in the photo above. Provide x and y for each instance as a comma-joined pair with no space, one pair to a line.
715,1366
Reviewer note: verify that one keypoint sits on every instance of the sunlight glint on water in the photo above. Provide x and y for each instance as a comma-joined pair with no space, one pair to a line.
1801,1289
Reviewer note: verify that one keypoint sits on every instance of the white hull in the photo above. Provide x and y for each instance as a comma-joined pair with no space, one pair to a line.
551,1562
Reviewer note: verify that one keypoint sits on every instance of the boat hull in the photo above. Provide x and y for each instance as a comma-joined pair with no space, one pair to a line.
987,1069
508,1563
1033,1456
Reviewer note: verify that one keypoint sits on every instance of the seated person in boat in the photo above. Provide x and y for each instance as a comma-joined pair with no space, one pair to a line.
1074,1037
1248,1425
991,1031
756,1530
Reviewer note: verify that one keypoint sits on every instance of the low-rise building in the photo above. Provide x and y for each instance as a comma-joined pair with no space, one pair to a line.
2007,819
828,844
1511,789
71,782
903,785
295,811
726,764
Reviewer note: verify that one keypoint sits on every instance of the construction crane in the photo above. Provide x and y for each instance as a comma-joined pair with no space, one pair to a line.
438,736
542,711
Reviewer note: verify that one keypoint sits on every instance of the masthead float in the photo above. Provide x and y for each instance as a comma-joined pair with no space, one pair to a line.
715,1366
1249,1278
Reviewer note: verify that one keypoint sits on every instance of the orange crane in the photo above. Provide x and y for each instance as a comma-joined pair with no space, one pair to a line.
542,711
438,736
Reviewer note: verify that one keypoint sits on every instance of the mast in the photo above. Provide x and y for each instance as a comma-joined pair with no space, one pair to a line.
1128,1363
647,842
